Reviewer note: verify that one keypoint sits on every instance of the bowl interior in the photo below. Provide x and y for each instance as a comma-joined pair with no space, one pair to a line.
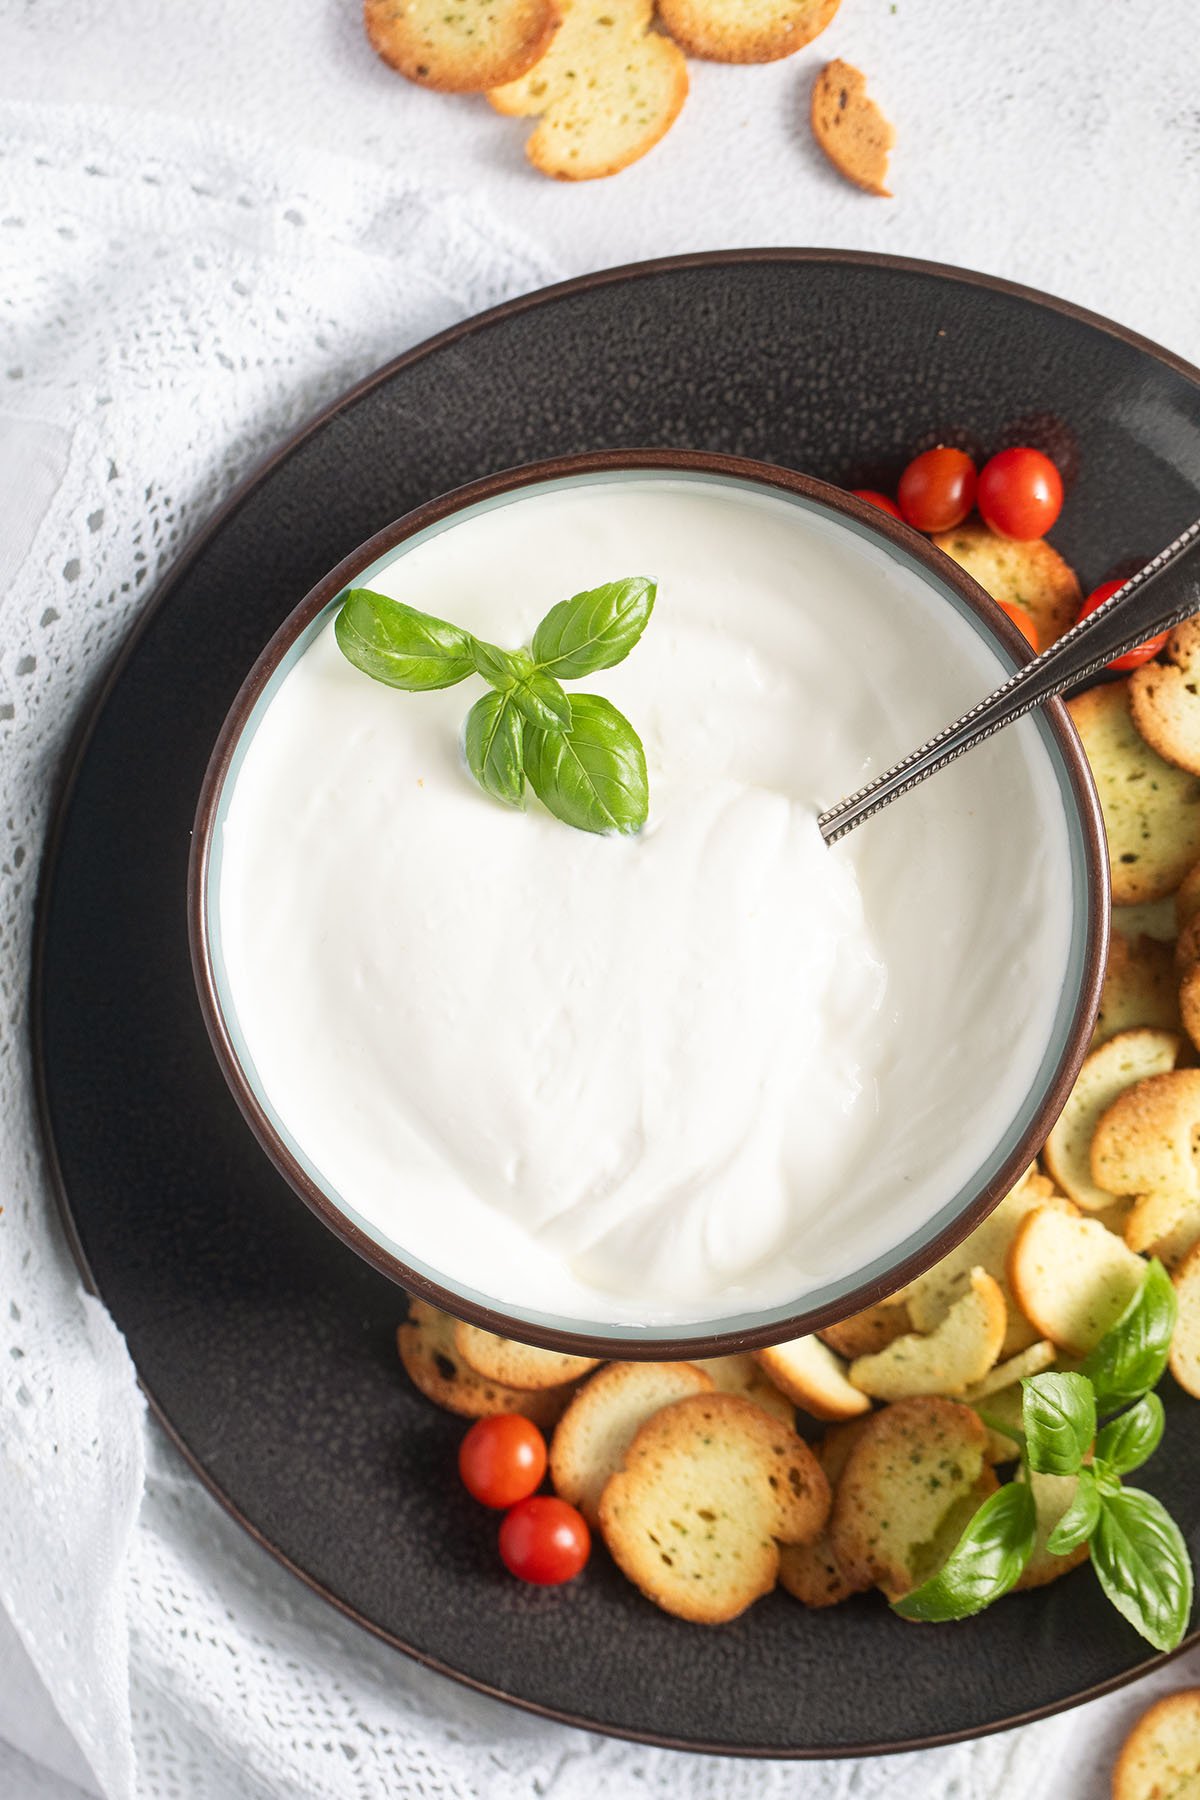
829,1298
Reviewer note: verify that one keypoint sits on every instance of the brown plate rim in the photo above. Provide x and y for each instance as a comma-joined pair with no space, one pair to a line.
655,1345
72,763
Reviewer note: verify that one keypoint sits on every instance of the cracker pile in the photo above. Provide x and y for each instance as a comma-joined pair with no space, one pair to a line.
1160,1759
694,1473
606,79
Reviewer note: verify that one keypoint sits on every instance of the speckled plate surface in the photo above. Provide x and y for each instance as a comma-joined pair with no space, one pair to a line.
265,1346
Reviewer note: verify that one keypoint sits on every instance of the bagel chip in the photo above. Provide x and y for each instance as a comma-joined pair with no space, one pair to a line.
462,49
1145,1139
606,1414
1160,1759
1151,809
811,1572
1072,1277
1119,1064
517,1365
1140,988
710,1488
1185,1344
811,1376
948,1360
434,1364
1164,699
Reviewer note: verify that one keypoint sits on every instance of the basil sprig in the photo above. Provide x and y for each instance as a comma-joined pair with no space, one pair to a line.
582,758
1137,1550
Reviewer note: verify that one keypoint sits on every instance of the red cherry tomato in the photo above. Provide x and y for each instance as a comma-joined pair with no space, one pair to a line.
1132,659
937,490
544,1540
875,498
502,1459
1022,620
1020,493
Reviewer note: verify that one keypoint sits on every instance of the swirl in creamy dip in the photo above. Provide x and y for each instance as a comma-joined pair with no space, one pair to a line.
674,1077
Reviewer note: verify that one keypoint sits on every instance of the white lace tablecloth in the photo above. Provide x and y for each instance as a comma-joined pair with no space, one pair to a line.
212,217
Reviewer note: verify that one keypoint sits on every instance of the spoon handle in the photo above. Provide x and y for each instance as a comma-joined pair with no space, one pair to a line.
1164,592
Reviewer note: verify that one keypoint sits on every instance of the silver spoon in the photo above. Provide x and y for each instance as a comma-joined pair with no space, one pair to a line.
1160,595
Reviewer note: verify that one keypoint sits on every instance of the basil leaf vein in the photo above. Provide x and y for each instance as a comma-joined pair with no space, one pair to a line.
399,646
1059,1416
987,1561
1142,1563
595,629
1131,1356
1130,1439
592,775
493,742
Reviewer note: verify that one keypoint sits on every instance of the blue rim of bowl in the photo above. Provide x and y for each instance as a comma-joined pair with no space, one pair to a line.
836,1299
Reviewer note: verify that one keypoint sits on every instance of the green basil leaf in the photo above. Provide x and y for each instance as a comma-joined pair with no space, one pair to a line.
595,629
593,775
986,1562
1131,1356
1140,1557
503,668
1079,1521
1059,1415
493,744
1107,1480
543,702
1130,1439
399,646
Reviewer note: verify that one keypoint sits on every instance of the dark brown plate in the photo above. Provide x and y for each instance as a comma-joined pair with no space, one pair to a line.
266,1346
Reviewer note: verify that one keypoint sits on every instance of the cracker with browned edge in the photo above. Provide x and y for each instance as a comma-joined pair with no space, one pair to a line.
849,127
745,31
464,48
1164,698
930,1297
1160,1759
740,1374
1153,919
959,1350
1140,987
813,1377
607,90
1031,575
865,1332
811,1572
710,1488
434,1365
606,1414
517,1365
1185,1342
1072,1277
1145,1141
915,1462
1107,1073
1151,809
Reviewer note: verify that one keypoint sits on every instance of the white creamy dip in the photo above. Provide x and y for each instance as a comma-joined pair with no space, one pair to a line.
679,1076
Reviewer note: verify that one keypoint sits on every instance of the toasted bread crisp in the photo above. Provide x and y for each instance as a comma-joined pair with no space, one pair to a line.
1052,1495
1151,809
1189,1003
930,1296
745,31
711,1486
1160,1759
863,1333
1185,1344
896,1498
606,91
811,1572
1145,1141
811,1376
1186,903
740,1374
1155,1219
947,1361
1176,1243
517,1365
434,1364
591,1438
1004,1408
1140,988
1072,1278
1164,698
1119,1064
464,48
1013,1371
1030,575
850,128
1155,919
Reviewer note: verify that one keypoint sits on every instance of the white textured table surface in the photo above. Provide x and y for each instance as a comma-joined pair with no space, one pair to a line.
1058,145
